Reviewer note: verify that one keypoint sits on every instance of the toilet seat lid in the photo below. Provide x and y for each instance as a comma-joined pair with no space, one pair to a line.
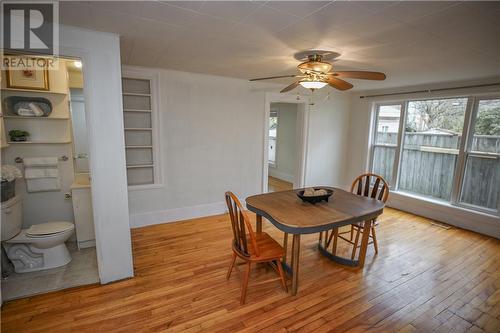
48,228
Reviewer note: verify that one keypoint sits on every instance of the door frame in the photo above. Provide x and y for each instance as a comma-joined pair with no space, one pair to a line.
302,137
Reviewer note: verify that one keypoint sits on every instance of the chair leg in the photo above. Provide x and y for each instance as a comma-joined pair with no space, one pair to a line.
352,232
332,235
374,236
244,284
282,275
356,240
335,239
231,266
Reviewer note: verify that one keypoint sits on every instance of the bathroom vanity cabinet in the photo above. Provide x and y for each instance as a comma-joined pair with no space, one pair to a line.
82,208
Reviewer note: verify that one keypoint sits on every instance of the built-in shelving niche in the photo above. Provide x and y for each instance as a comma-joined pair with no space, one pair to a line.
137,112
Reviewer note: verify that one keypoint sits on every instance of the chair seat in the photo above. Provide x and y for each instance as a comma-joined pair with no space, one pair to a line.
268,248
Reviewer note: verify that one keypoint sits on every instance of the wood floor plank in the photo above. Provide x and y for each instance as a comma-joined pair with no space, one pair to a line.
424,279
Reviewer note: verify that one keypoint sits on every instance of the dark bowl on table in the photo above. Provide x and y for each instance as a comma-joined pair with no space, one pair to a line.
317,198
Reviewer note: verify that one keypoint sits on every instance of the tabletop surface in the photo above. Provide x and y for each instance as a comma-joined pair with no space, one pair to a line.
289,213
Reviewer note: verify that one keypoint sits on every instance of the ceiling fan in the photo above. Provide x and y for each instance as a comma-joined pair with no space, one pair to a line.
316,72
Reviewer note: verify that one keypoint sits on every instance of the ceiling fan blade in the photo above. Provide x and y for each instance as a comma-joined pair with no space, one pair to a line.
272,77
360,75
338,83
290,87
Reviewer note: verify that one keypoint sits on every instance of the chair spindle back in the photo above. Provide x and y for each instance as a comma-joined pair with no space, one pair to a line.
379,191
240,224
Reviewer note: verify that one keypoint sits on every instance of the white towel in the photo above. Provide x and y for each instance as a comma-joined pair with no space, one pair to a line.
37,111
43,184
42,174
40,161
33,173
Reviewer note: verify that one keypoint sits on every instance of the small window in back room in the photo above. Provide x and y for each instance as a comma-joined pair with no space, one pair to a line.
273,129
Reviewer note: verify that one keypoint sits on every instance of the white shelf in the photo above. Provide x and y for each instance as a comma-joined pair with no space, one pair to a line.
137,147
37,118
138,129
38,142
35,91
136,110
136,94
137,166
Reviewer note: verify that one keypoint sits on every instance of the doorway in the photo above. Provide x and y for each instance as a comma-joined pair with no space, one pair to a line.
51,240
284,158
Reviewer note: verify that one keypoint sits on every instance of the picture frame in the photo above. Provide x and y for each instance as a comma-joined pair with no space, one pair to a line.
32,79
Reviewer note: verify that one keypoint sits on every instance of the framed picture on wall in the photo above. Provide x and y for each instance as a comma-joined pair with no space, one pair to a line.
33,79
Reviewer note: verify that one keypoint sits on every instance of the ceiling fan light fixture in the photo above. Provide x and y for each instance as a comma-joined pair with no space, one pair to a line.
312,84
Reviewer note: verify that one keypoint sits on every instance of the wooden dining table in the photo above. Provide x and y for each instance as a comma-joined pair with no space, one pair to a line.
290,214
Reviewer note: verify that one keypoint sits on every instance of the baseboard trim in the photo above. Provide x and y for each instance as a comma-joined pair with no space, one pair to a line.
177,214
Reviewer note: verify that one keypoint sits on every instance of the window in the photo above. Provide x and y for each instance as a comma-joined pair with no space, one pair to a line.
273,128
386,139
481,181
139,114
433,131
448,149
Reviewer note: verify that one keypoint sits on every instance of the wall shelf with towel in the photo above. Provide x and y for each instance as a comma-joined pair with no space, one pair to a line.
39,142
35,91
36,118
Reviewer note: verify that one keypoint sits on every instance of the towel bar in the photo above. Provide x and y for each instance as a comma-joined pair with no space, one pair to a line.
20,159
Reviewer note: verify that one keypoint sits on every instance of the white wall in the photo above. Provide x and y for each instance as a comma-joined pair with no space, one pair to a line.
328,139
286,142
358,157
212,140
210,135
100,53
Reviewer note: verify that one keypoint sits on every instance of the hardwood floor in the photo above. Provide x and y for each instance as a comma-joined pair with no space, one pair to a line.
276,185
425,278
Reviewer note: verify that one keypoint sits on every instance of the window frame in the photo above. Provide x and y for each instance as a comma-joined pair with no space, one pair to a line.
374,144
154,86
470,118
467,151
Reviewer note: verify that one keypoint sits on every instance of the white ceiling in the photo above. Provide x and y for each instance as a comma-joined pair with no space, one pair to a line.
412,42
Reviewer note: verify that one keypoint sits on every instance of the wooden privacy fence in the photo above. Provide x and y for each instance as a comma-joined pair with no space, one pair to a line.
428,163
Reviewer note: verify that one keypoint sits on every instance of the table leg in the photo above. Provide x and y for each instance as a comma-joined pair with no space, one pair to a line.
295,263
364,243
258,223
285,246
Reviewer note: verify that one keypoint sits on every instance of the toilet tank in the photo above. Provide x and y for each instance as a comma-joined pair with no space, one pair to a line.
11,220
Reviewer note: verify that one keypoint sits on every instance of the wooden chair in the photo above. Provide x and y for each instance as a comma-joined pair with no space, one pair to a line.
361,186
251,247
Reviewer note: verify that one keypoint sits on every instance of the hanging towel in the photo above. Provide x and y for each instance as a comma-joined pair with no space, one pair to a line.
37,172
41,174
40,161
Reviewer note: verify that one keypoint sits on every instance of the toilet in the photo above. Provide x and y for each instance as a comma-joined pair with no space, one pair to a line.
41,246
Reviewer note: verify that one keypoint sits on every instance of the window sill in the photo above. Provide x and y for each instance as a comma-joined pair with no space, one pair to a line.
458,216
443,203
